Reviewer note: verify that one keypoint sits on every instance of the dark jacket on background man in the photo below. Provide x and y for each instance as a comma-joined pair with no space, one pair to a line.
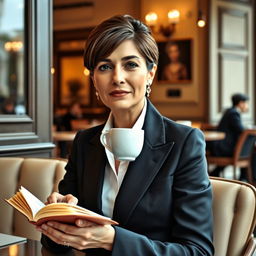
232,126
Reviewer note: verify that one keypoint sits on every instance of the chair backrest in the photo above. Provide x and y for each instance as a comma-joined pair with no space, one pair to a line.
234,214
245,144
40,176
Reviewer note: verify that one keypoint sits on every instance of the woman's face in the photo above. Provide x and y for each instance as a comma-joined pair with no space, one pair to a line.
173,52
121,78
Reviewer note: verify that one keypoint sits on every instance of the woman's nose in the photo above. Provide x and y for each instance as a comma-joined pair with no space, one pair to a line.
118,76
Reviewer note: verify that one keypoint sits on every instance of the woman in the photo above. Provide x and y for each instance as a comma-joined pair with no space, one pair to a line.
162,200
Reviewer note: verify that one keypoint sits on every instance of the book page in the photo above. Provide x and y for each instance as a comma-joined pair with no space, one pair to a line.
34,203
69,213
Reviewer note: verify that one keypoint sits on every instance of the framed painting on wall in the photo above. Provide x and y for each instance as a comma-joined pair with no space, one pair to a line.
74,80
175,61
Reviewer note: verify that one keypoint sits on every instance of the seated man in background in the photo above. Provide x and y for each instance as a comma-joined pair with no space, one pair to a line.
64,123
231,125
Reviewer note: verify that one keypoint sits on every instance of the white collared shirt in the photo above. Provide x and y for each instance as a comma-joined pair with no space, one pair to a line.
113,179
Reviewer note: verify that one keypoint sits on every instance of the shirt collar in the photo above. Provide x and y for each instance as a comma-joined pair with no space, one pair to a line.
138,124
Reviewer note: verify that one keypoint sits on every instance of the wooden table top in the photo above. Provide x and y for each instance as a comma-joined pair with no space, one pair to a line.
69,136
213,135
63,136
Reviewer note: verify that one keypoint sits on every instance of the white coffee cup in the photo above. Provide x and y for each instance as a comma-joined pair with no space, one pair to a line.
125,143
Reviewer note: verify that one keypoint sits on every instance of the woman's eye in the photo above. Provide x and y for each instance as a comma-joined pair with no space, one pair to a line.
104,67
131,65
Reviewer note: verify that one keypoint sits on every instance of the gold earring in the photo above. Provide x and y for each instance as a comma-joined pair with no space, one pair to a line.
97,95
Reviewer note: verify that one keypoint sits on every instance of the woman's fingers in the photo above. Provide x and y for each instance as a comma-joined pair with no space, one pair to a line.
54,198
58,198
84,223
70,199
94,236
58,236
64,234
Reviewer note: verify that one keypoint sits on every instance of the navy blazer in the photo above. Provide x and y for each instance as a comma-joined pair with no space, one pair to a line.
231,124
164,205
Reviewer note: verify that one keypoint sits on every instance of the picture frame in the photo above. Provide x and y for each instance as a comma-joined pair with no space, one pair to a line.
178,71
75,83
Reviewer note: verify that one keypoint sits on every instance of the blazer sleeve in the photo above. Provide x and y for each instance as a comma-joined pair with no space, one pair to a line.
191,229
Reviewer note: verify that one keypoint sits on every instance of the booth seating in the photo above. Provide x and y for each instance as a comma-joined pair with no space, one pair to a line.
40,176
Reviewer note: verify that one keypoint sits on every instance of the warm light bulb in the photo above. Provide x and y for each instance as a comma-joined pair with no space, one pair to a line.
14,250
8,46
174,16
13,46
86,72
52,70
201,23
151,19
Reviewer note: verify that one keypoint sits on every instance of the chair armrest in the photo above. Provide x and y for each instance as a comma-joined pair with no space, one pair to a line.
250,249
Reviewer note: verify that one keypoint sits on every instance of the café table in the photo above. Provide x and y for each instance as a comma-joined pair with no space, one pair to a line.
63,141
28,247
213,135
63,136
69,136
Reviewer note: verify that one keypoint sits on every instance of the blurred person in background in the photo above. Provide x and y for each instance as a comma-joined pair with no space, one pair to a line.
8,107
75,112
64,123
231,124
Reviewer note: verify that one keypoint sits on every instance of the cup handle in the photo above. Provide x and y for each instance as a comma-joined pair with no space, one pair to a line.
103,139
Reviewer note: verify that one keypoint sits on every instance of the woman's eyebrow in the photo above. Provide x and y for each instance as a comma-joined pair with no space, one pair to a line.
105,60
130,57
123,59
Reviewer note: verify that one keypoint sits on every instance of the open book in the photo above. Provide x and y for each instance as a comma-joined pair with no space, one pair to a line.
37,212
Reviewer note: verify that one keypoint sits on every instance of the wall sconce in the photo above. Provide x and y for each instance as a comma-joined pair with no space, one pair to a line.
166,30
201,19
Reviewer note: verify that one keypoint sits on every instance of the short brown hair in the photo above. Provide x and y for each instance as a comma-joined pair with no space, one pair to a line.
109,34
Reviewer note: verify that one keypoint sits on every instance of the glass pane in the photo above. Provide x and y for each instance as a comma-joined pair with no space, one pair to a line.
12,60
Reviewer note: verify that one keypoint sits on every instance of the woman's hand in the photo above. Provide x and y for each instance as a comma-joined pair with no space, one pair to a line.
58,198
83,235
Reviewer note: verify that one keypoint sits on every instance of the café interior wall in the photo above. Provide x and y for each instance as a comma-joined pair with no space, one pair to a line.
192,103
90,16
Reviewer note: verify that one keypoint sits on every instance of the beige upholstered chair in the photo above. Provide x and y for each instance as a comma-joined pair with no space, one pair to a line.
40,176
234,212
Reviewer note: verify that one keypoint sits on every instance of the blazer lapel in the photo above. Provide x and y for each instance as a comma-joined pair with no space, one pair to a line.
94,174
142,172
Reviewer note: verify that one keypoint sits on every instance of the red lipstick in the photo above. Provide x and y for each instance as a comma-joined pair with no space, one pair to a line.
118,93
